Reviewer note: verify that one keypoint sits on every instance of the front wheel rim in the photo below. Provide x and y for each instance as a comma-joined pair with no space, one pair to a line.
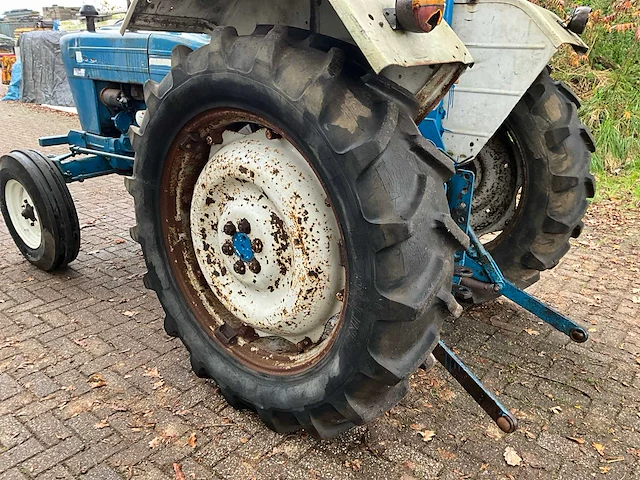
262,265
23,214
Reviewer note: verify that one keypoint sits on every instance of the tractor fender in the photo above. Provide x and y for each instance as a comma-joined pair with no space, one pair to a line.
424,63
511,42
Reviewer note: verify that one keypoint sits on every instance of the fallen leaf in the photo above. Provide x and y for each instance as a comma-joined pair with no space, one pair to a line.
638,360
531,331
155,442
120,241
129,313
494,432
101,424
446,454
599,448
157,385
244,440
192,440
151,372
578,440
511,457
178,471
96,381
416,426
605,469
556,409
427,435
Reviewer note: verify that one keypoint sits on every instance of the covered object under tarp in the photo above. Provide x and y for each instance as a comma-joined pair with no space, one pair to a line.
44,79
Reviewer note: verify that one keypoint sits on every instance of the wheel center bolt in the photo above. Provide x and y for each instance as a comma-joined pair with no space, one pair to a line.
256,245
254,266
244,226
229,229
239,267
227,248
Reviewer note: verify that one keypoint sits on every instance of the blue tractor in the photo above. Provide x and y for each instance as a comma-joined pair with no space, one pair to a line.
317,187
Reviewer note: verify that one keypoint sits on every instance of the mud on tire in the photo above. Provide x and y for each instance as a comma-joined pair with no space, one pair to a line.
386,186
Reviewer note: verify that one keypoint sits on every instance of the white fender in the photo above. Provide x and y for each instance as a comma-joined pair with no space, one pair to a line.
511,42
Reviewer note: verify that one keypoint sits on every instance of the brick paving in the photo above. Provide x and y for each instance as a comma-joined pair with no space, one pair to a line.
578,405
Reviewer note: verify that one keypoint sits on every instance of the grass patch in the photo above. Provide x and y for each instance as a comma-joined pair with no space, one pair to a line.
607,79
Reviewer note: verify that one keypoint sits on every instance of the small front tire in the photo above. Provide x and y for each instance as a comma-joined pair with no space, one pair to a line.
38,209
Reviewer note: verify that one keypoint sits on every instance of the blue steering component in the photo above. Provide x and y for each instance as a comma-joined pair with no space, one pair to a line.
242,246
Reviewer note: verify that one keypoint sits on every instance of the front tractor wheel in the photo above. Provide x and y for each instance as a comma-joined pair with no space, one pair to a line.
295,228
38,209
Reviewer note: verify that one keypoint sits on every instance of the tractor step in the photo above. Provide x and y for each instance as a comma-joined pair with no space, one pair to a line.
474,387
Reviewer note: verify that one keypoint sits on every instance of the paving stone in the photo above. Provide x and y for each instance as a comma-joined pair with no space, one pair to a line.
19,453
53,456
48,429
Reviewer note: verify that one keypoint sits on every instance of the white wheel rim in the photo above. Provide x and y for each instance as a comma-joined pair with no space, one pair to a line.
268,183
23,213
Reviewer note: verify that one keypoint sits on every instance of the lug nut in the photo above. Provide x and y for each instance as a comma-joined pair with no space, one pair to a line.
229,228
239,267
254,266
244,226
227,248
256,245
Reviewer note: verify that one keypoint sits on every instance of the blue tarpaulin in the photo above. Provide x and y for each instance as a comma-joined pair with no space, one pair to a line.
16,78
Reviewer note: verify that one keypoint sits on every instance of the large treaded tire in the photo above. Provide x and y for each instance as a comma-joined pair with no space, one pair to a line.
556,149
60,229
386,184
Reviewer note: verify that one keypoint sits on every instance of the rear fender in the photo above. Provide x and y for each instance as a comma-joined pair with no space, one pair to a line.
511,42
424,63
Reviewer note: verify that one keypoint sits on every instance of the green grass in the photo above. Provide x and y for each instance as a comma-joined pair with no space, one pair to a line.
608,81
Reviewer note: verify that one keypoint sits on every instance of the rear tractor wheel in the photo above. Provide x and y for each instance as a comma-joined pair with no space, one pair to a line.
533,183
295,228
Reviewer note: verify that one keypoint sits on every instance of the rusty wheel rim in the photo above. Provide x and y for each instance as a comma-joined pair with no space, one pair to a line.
234,237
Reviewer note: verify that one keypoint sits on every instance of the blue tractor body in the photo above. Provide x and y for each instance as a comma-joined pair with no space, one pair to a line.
106,72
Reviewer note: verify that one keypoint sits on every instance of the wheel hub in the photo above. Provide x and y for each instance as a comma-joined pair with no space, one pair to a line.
23,214
266,238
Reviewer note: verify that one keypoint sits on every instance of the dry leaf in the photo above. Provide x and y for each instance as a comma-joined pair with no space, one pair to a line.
599,448
155,442
192,440
578,440
244,440
556,409
157,385
427,435
101,424
129,313
511,457
605,469
151,372
420,426
531,331
446,454
178,471
96,381
120,241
